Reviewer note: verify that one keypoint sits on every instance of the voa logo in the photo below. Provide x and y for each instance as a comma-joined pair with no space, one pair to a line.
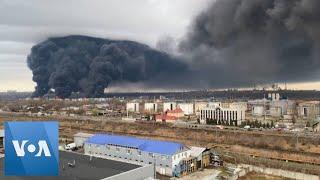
42,144
31,148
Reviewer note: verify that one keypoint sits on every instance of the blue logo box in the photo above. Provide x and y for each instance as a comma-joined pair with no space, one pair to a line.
31,148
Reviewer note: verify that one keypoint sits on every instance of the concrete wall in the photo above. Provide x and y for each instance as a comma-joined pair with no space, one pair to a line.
135,174
278,172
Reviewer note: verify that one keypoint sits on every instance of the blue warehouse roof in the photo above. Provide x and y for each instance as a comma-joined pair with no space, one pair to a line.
154,146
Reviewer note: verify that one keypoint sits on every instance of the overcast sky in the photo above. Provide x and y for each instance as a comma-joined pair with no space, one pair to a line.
25,23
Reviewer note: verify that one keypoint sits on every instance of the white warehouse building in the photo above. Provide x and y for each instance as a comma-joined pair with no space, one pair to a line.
165,155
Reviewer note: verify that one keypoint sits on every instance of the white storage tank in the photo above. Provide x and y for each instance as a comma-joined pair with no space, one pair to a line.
169,106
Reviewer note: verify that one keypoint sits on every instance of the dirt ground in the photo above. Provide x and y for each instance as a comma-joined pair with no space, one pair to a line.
259,176
206,174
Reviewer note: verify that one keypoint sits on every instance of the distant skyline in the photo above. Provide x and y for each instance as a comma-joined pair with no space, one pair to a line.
25,23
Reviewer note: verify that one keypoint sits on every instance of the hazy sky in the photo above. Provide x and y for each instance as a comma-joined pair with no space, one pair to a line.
24,23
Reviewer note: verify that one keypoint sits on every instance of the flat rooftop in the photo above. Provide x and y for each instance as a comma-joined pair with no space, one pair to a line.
84,169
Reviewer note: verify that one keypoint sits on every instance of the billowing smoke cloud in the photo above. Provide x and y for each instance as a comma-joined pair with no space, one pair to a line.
241,42
232,43
86,65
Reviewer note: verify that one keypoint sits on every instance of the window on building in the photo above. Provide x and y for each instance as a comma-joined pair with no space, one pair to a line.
128,151
150,162
151,154
117,149
139,153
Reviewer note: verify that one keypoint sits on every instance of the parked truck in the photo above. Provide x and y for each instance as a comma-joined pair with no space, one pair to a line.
71,146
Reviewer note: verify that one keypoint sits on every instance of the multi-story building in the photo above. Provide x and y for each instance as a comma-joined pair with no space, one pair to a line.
228,114
165,155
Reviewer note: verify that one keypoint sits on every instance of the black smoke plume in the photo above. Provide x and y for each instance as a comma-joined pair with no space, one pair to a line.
87,65
242,42
232,43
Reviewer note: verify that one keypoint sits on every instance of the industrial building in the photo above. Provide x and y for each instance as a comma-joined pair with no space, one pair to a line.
80,138
78,166
274,106
282,108
187,108
231,114
165,155
133,107
150,107
259,107
309,109
169,106
198,106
